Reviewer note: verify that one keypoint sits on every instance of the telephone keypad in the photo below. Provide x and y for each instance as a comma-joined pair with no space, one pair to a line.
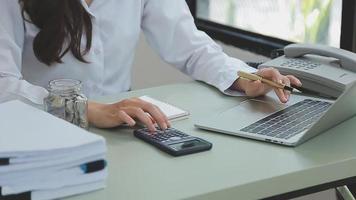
300,64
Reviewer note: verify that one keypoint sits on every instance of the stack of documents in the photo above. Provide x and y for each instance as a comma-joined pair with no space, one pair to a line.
44,157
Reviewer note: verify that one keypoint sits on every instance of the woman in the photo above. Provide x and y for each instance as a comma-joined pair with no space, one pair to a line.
94,41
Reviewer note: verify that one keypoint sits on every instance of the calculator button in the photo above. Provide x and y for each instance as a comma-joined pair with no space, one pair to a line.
175,138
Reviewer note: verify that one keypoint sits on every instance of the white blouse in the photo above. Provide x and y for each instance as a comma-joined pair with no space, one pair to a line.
168,27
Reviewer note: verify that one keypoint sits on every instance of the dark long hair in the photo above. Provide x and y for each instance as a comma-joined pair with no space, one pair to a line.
62,24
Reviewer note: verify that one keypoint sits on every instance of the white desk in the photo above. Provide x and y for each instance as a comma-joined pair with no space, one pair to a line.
235,168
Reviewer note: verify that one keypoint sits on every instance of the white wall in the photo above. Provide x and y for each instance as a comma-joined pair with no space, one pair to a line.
149,70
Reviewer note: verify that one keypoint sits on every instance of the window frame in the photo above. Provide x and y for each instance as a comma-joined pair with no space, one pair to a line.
262,44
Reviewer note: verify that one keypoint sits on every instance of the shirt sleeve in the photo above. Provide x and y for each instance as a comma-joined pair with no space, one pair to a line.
12,85
169,29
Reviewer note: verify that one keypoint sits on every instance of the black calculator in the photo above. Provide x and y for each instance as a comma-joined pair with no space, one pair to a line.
173,141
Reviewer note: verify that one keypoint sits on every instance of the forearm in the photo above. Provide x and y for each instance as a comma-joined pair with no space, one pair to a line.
93,111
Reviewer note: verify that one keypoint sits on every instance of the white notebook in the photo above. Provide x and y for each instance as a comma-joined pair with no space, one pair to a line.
172,112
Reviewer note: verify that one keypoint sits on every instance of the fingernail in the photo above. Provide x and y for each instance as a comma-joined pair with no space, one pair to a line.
133,123
153,129
164,127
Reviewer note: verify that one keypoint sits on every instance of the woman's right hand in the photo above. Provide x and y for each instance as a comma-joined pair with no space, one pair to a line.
126,111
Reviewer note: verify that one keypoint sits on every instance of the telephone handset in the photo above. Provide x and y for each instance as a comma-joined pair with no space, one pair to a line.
322,69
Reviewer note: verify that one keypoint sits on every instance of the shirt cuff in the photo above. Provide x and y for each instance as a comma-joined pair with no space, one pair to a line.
14,88
230,76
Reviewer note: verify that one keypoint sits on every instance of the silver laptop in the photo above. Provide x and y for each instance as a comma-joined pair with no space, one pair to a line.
288,124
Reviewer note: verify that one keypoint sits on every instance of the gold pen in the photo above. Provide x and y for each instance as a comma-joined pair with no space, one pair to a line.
254,77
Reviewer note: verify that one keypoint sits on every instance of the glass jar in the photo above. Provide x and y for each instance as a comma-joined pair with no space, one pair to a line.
66,101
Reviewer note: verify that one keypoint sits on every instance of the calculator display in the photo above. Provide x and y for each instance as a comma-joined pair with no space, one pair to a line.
186,144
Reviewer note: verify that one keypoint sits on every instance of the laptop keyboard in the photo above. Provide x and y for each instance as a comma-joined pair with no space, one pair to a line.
290,121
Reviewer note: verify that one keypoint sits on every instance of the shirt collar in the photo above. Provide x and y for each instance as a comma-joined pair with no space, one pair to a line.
86,7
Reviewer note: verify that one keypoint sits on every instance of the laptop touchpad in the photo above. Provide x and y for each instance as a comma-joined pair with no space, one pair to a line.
245,114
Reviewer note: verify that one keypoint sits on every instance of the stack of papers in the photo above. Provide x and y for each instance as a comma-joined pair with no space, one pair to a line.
43,157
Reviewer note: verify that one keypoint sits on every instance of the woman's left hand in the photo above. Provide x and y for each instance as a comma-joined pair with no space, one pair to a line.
257,88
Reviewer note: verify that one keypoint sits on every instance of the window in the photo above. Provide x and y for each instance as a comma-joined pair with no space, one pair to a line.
261,26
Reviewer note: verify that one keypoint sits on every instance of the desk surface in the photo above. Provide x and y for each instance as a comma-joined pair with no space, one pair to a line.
235,167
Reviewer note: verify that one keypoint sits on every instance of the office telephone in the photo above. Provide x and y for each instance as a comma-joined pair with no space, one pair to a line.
324,70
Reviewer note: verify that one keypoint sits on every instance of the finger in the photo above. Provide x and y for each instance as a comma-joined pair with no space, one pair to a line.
124,117
151,118
264,89
156,114
280,94
270,73
142,116
286,81
294,80
153,111
165,117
